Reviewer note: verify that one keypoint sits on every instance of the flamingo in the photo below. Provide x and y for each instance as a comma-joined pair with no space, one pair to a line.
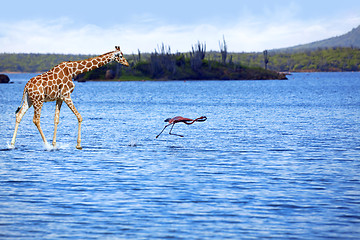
179,119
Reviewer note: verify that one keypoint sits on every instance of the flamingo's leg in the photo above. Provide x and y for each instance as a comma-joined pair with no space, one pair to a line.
162,130
174,133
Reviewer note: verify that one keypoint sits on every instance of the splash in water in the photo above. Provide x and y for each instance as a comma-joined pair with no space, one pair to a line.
132,143
9,146
59,146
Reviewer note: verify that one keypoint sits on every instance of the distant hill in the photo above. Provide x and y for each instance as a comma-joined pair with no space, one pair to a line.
350,39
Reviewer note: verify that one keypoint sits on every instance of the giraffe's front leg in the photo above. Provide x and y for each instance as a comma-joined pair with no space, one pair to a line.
70,104
78,146
56,120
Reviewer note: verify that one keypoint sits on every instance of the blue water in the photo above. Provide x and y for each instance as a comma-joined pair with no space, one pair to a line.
275,159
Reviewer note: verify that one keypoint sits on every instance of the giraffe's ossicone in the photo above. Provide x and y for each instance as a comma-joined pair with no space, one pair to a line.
57,85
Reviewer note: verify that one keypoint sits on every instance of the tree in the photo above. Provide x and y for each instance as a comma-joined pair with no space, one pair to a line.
163,61
223,50
139,56
266,58
197,55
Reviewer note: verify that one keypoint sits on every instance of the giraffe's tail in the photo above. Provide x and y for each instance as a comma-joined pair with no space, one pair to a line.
22,101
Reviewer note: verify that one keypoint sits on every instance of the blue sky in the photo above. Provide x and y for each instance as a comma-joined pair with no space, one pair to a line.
95,27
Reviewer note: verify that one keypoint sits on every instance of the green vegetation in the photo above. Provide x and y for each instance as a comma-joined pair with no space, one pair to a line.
160,65
321,60
197,64
34,62
163,65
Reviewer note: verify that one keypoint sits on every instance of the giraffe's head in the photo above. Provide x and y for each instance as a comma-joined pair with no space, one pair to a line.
119,57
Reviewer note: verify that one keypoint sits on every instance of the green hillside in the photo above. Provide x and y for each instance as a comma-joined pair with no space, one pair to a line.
348,40
321,60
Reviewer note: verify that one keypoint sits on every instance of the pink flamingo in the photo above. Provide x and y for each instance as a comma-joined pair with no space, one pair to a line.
179,119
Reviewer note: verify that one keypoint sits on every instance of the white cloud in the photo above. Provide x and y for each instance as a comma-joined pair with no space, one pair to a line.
246,34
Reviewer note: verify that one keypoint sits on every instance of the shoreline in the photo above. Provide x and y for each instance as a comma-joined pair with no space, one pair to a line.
21,72
184,80
284,72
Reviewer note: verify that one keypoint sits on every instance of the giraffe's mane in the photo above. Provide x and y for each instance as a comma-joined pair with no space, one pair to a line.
96,56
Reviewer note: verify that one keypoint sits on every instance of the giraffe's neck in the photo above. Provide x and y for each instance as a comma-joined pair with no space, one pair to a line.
91,63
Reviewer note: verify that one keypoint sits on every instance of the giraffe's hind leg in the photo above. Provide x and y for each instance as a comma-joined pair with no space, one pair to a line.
56,119
37,113
19,115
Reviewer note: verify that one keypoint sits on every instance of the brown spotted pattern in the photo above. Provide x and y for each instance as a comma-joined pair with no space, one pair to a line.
57,85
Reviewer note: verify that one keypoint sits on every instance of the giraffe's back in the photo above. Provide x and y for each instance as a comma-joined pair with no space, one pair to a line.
52,85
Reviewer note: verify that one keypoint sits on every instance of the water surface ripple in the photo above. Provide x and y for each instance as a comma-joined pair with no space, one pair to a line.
275,159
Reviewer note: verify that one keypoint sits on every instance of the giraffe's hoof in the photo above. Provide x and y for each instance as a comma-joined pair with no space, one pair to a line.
79,147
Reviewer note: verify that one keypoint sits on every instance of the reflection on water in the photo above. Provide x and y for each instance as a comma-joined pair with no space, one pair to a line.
274,159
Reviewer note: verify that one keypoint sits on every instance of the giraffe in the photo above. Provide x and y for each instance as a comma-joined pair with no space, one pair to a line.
57,85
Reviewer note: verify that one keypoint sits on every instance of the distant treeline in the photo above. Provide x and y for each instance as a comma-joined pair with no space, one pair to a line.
164,65
198,62
34,62
321,60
